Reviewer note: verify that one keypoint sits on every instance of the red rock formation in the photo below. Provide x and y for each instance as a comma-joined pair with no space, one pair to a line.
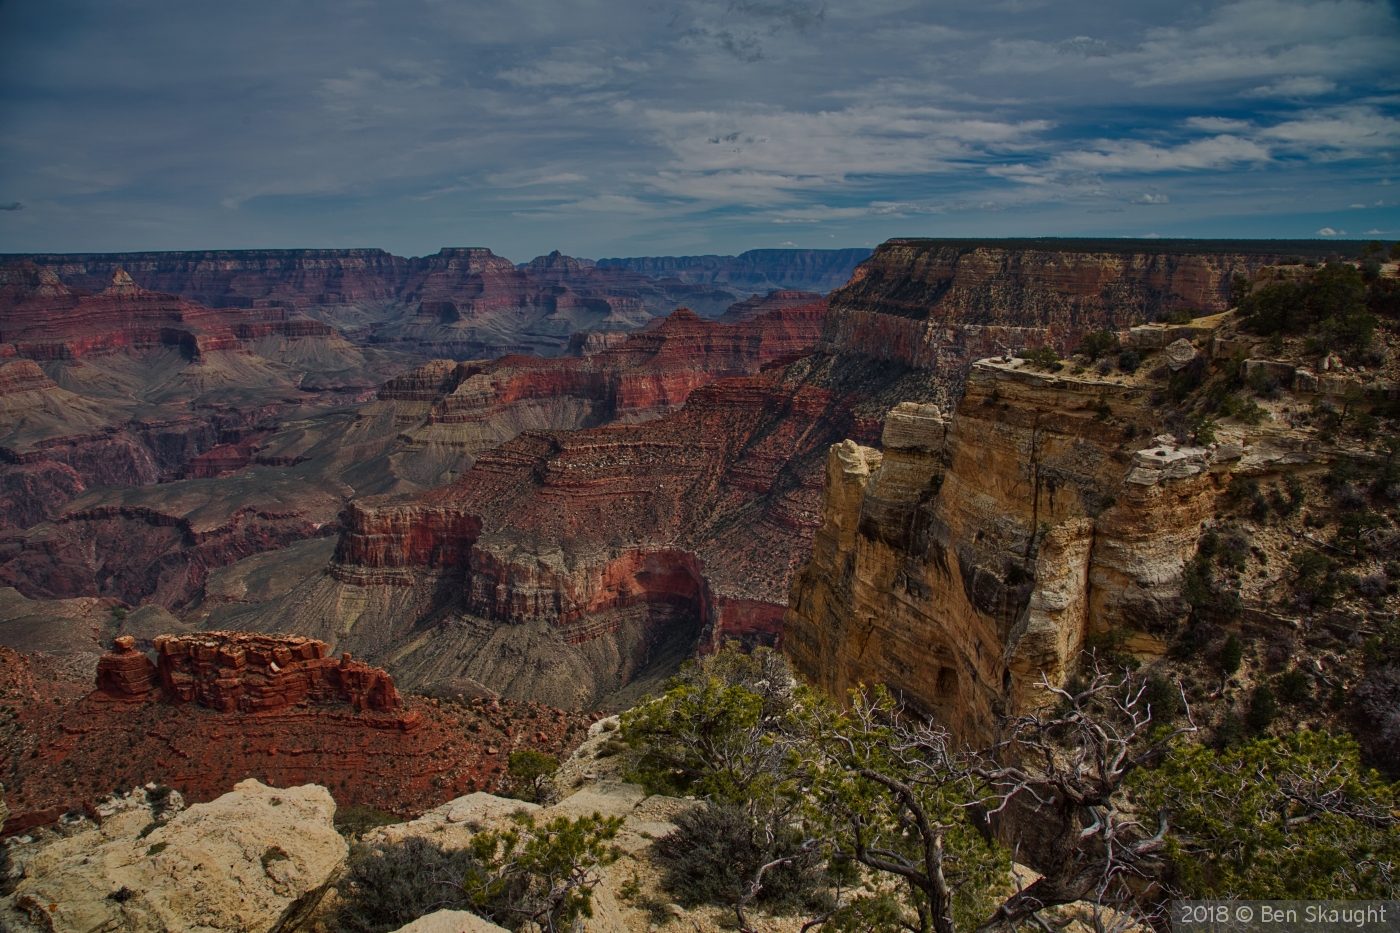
125,673
691,523
63,752
648,373
230,671
752,307
458,302
45,324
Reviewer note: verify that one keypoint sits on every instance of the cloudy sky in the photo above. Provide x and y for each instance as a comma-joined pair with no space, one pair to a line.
644,127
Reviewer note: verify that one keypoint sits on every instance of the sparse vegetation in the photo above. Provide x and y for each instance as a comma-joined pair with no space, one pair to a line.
530,773
1042,357
540,874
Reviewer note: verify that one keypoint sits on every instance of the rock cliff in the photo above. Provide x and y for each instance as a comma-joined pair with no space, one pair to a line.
975,553
566,565
942,304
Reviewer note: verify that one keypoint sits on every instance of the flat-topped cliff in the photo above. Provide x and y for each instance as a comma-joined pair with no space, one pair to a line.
941,304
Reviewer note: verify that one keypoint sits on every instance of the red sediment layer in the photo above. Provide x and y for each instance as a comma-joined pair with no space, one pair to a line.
230,671
651,371
705,511
68,752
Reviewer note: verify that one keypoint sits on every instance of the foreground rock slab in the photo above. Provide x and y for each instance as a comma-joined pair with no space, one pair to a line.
451,921
256,860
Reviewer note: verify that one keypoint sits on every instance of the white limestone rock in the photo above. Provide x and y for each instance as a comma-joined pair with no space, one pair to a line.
256,860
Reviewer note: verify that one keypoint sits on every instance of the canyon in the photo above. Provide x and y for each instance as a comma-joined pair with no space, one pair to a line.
873,480
461,303
571,542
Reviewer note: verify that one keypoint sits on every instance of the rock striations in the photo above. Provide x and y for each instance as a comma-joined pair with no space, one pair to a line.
219,707
942,304
974,554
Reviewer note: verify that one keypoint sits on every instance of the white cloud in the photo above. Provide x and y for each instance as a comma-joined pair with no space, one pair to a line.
558,74
1295,40
1219,125
1086,47
762,154
1328,231
1153,199
1124,156
1302,86
1339,132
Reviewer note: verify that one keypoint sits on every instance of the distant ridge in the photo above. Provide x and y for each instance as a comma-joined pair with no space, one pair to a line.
759,270
1305,249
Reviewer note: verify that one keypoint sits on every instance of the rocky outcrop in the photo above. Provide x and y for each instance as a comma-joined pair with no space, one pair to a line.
228,706
257,859
775,300
125,673
941,304
973,556
230,671
450,921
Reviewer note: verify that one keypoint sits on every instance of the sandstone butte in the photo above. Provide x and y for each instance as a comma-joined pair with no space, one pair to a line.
692,526
219,707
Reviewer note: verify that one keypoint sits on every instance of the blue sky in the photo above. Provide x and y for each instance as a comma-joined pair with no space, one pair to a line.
643,127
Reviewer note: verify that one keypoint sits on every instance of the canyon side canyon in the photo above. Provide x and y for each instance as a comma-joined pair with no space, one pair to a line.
544,486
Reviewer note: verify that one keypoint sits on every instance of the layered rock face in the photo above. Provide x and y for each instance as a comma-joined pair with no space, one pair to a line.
972,556
476,406
941,304
125,673
563,564
230,671
224,706
462,303
50,321
773,301
128,386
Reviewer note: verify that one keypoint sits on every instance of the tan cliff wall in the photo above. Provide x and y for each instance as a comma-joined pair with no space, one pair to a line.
974,554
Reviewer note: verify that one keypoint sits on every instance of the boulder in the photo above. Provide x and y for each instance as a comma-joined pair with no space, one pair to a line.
451,921
1179,354
256,860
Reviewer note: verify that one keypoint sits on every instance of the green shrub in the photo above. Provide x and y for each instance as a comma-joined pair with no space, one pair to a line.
393,884
354,822
1129,361
1098,344
715,852
1164,697
1043,357
530,771
1314,578
1294,686
1231,654
1263,708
